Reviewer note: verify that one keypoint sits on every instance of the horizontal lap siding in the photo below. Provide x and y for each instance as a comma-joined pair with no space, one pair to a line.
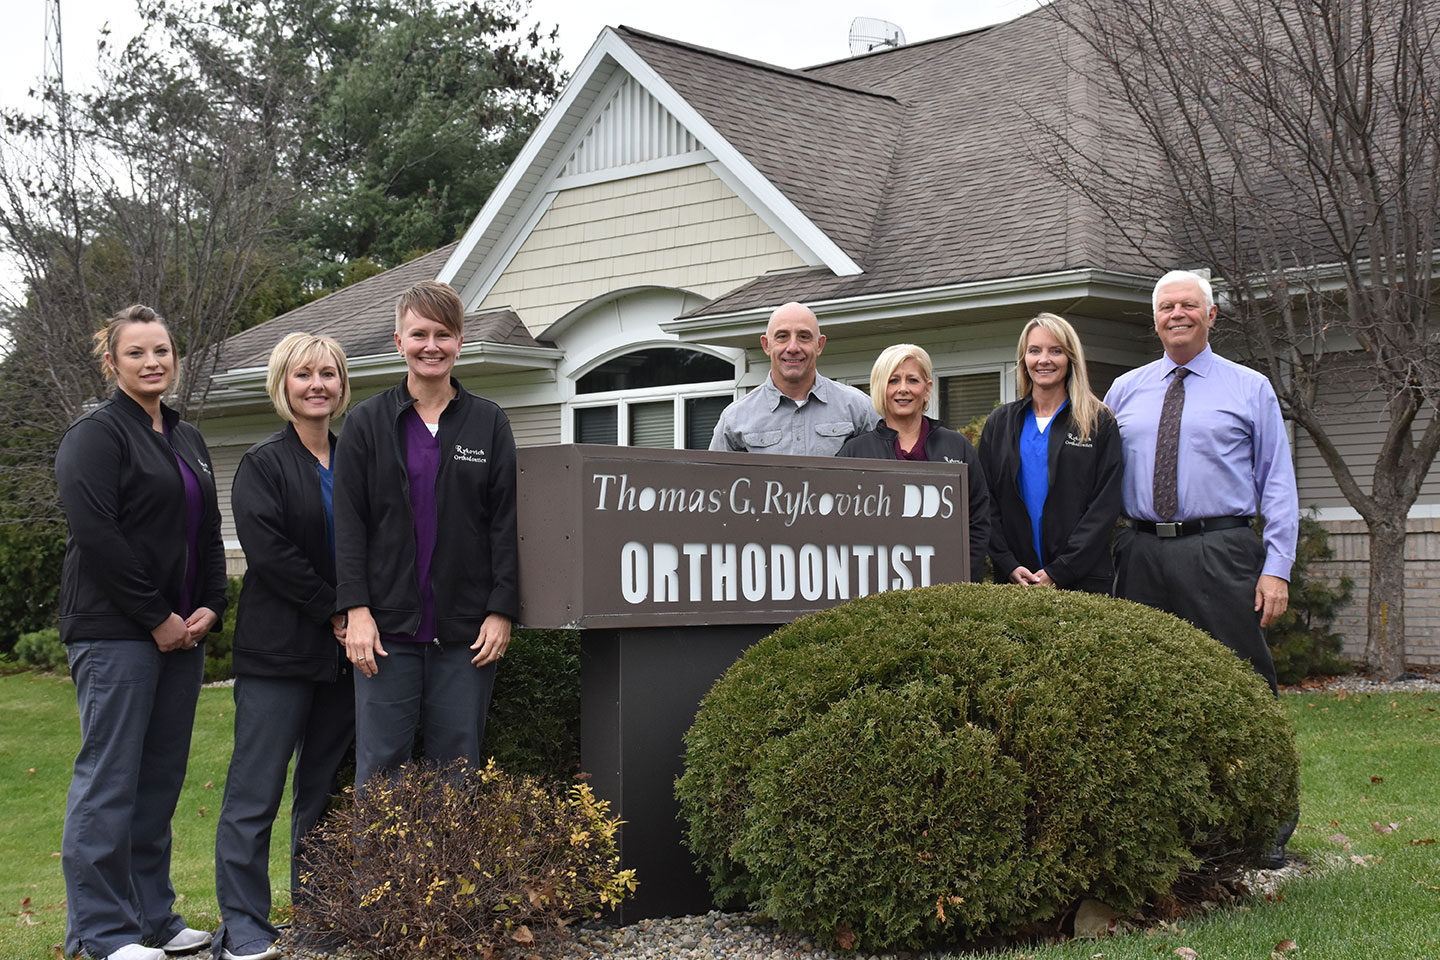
679,228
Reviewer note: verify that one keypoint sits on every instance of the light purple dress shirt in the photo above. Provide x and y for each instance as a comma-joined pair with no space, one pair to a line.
1234,452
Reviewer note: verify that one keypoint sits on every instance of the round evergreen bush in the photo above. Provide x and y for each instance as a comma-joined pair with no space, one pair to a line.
934,765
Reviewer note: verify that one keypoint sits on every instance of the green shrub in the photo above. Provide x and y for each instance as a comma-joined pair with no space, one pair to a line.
459,862
42,651
220,643
31,555
920,767
533,728
1302,643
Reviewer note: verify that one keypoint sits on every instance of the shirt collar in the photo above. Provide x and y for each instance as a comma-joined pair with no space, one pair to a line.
1199,365
773,394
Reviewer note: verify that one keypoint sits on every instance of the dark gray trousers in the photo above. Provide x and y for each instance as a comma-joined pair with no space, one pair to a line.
1208,579
426,686
137,711
275,718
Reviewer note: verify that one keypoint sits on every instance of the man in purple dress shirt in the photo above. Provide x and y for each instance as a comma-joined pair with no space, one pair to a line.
1201,562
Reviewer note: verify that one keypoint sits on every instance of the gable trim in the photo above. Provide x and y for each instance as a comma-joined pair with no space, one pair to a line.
518,200
657,165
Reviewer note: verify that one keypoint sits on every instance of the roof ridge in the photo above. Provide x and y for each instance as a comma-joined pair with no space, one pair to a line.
905,46
771,67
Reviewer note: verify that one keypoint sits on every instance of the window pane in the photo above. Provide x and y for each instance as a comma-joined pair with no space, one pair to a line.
964,398
701,415
657,367
653,424
597,425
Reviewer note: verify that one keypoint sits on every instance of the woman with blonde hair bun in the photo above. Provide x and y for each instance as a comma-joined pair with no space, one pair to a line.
142,585
1053,459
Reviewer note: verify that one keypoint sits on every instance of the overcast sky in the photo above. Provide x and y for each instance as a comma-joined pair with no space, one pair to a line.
792,33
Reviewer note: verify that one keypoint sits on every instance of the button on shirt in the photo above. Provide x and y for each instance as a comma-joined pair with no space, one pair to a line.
1234,455
767,421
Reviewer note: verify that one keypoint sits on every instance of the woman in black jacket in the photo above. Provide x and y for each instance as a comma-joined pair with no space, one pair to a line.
293,693
142,584
900,384
426,547
1053,459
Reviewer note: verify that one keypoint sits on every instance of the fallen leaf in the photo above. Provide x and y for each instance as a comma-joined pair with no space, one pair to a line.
844,937
1186,953
1422,843
209,784
1285,946
1339,839
1359,861
1343,695
1385,827
31,771
522,934
1377,779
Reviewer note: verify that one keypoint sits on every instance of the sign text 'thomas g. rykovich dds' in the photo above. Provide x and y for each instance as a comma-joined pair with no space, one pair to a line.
658,536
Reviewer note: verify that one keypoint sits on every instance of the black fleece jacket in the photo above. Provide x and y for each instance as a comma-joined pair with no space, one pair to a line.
282,626
475,567
943,444
126,551
1080,508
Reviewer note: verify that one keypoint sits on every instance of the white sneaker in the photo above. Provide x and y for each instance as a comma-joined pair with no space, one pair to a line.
134,951
187,940
270,953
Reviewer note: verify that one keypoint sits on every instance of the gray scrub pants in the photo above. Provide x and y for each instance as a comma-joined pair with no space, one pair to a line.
275,718
427,686
137,710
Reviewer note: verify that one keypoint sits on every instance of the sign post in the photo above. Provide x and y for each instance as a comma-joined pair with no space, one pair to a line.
673,562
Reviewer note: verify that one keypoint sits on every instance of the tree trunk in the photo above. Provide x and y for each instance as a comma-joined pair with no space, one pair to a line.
1385,646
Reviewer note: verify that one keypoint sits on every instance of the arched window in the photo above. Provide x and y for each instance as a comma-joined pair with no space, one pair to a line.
668,397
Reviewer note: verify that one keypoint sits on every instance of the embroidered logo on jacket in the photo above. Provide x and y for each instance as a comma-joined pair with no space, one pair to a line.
1071,440
469,454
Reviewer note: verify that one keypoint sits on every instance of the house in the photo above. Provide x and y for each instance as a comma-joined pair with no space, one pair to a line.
619,277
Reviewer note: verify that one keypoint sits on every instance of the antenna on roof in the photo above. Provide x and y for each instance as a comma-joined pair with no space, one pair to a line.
868,33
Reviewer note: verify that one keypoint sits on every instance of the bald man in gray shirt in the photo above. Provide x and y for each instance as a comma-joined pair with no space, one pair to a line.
796,410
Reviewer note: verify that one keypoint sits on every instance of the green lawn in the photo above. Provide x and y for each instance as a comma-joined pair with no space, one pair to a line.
38,740
1366,760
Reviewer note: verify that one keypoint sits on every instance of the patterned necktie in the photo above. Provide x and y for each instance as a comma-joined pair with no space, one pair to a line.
1167,448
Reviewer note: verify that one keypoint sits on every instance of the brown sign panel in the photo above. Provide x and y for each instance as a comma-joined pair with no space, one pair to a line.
633,537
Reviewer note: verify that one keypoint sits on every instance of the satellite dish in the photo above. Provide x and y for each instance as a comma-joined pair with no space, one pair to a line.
868,33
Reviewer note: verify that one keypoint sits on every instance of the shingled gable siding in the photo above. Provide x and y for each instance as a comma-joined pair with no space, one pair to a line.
678,228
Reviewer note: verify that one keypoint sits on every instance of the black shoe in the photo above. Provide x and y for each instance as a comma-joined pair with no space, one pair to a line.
1271,858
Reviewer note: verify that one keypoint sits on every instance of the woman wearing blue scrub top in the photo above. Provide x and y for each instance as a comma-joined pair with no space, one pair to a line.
1053,461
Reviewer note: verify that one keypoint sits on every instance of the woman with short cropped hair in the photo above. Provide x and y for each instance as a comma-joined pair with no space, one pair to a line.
293,692
1053,459
142,584
426,547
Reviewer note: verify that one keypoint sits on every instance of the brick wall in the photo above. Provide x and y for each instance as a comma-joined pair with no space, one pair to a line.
1422,586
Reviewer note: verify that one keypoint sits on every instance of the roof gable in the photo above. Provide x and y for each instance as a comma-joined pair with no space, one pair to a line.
629,82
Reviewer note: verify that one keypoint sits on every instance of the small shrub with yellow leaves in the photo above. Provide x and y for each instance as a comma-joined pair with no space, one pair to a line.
459,862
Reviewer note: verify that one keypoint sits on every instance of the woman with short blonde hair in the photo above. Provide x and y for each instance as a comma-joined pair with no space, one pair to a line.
293,692
901,381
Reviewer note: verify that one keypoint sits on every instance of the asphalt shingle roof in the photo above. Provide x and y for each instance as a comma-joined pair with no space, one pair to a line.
361,317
